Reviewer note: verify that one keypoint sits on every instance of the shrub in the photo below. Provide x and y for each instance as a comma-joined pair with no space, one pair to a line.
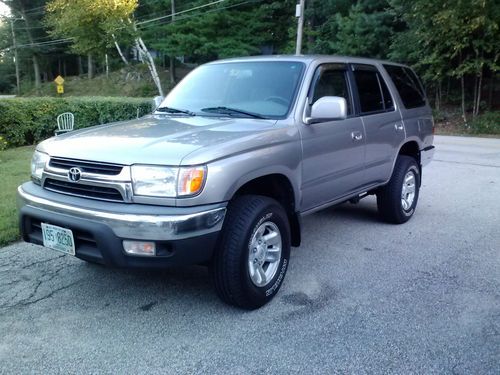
25,121
487,123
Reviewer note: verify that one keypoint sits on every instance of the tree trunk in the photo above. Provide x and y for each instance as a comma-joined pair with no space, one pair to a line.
462,83
172,58
479,88
491,90
124,59
106,61
474,100
448,90
36,65
36,70
146,56
80,66
90,68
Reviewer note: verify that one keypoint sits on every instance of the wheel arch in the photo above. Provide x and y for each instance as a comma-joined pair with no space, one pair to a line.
279,187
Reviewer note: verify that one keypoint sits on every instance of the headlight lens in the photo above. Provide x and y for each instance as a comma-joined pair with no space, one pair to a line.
167,182
38,162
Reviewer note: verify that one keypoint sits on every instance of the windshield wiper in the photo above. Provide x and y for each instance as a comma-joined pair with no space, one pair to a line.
175,110
232,111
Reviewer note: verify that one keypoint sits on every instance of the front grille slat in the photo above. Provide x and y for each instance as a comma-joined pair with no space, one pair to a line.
86,166
82,190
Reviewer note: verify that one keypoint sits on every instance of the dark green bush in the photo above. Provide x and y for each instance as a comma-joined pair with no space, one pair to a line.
487,123
25,121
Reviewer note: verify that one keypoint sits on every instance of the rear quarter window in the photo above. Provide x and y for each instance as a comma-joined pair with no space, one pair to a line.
408,86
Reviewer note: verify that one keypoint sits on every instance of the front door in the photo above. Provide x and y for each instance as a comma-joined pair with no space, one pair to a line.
333,151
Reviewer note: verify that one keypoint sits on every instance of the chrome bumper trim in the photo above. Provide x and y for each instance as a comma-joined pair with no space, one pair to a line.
135,226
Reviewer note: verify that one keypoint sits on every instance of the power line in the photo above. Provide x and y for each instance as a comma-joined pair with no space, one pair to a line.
178,13
47,43
182,18
148,23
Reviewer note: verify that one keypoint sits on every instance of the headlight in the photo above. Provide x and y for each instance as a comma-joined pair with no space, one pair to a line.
38,162
167,182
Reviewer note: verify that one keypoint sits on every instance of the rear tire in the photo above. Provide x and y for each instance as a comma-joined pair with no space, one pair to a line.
252,257
398,199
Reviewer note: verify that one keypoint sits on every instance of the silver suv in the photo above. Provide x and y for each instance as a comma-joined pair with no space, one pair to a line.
222,172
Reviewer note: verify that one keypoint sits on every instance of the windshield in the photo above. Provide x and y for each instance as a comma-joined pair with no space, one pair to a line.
261,89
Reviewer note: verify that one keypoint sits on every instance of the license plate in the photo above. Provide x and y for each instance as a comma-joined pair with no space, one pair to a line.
57,238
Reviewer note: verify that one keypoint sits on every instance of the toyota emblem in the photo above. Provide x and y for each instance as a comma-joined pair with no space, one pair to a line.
74,174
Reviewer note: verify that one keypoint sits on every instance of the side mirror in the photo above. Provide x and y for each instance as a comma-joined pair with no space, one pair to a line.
157,101
327,108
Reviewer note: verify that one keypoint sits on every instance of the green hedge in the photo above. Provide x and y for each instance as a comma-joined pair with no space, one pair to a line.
487,123
25,121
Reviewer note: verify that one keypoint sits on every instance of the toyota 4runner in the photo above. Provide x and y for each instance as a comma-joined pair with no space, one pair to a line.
225,168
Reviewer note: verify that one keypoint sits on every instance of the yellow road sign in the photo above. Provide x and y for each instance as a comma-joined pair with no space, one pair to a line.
59,80
60,89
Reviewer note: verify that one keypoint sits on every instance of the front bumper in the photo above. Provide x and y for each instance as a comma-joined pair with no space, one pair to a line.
183,235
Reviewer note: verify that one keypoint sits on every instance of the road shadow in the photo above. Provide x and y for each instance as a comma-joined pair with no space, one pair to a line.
360,212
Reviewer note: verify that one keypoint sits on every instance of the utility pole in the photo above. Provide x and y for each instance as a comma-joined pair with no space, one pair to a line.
172,58
16,59
299,13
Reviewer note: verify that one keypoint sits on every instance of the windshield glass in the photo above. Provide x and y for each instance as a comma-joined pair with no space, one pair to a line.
259,88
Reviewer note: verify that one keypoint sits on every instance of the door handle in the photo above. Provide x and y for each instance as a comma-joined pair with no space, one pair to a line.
398,127
356,136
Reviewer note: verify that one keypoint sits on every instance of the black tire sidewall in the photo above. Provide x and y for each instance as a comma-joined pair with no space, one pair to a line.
261,295
411,166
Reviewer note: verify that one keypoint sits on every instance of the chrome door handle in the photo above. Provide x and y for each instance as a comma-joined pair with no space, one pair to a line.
356,136
398,127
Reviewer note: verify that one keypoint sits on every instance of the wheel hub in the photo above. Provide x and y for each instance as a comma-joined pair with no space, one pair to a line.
408,190
264,253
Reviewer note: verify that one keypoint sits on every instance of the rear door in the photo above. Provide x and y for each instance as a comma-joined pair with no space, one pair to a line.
333,151
416,112
383,125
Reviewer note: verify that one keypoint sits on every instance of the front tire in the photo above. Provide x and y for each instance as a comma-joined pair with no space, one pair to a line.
252,258
398,199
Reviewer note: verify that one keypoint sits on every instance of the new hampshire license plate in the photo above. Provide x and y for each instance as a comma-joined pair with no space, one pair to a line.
57,238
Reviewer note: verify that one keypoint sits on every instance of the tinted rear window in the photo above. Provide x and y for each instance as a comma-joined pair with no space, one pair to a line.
373,93
408,86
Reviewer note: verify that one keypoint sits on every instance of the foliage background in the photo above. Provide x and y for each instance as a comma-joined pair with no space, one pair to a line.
29,120
452,44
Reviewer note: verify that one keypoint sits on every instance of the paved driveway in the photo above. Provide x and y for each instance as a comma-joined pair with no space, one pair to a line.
360,296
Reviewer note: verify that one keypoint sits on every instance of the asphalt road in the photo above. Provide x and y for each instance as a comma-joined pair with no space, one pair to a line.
360,296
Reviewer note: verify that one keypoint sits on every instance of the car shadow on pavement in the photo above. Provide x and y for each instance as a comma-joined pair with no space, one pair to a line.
360,212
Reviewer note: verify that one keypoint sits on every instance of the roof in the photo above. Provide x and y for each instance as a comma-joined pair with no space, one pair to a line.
308,59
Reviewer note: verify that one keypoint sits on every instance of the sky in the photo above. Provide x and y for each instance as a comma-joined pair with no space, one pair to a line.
4,10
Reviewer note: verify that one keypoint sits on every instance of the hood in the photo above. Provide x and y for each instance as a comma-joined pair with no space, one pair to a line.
155,139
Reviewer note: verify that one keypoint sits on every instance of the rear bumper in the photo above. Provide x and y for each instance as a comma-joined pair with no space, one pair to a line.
182,235
426,155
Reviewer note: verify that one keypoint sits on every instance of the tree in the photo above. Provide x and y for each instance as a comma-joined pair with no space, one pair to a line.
224,30
95,26
341,27
20,8
450,38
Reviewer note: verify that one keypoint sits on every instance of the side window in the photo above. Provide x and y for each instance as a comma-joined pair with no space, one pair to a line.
332,81
373,93
408,86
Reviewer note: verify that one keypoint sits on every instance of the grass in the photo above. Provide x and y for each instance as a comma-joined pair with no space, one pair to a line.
14,169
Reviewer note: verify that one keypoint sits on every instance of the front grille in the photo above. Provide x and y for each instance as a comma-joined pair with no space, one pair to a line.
83,190
86,166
